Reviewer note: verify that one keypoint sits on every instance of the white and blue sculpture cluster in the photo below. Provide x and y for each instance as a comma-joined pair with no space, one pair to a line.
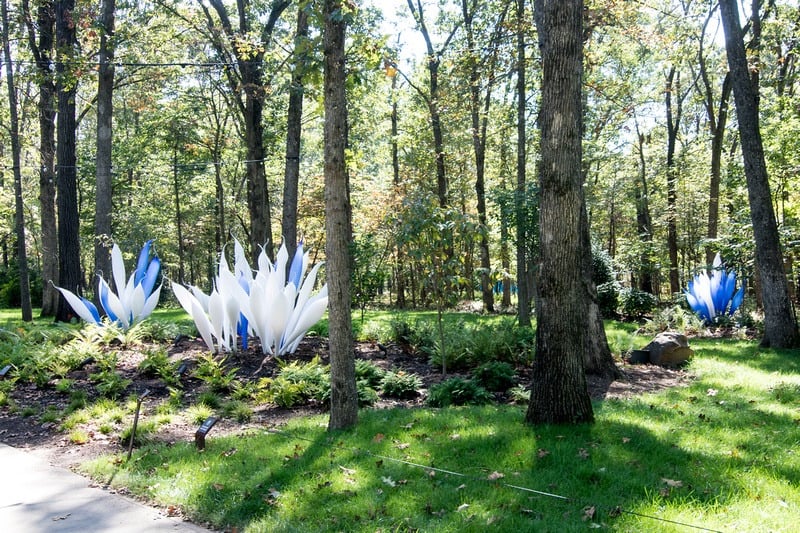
133,300
277,309
713,295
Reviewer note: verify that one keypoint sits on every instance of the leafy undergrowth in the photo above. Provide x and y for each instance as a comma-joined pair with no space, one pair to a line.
719,454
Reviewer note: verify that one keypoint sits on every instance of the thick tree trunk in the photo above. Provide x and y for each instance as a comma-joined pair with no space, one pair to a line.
780,324
257,192
42,50
103,180
338,226
19,213
294,117
598,359
69,265
558,391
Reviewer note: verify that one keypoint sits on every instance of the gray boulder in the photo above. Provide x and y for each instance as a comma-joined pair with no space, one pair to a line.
669,348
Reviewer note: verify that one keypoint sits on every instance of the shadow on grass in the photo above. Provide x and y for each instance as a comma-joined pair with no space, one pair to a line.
472,465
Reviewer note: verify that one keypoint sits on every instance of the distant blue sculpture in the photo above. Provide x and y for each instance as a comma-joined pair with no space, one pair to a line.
714,295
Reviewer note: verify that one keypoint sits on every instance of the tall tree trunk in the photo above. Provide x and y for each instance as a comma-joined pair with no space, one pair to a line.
717,128
432,99
780,324
176,193
644,223
69,264
478,109
400,270
105,92
505,253
42,49
250,80
293,133
673,123
597,357
558,391
19,213
338,225
523,288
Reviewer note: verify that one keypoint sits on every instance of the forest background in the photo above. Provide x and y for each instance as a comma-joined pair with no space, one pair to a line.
218,133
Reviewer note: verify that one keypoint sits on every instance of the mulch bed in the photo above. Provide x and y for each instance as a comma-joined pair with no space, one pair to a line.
28,432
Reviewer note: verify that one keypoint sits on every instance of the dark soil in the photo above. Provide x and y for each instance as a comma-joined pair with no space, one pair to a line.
22,426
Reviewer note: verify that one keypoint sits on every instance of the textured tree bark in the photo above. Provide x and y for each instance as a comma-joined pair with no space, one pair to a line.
42,48
780,323
69,265
19,213
338,226
103,184
558,392
294,127
523,287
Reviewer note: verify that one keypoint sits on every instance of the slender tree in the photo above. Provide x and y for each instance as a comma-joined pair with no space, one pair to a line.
479,115
433,59
558,391
246,82
338,225
524,288
105,109
717,115
19,213
41,46
780,323
294,118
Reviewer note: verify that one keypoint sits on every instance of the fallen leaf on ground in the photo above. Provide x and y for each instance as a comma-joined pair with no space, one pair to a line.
588,513
495,476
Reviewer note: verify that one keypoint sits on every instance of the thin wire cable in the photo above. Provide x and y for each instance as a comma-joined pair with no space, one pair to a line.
617,509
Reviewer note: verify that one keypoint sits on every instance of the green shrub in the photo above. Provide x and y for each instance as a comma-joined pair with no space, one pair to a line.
286,393
209,398
109,383
155,362
787,393
519,394
674,318
158,330
636,303
213,373
145,430
366,394
608,298
495,376
237,410
198,413
399,384
457,391
369,372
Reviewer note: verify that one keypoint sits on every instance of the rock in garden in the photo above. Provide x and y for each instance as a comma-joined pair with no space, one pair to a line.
669,349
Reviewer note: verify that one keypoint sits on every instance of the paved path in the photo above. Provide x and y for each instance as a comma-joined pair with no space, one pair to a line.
36,497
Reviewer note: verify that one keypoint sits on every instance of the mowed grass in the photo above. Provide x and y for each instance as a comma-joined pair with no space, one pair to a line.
720,454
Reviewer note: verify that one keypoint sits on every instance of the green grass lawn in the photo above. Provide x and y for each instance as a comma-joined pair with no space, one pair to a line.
720,454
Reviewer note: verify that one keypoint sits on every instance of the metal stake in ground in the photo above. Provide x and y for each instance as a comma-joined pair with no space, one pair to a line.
136,422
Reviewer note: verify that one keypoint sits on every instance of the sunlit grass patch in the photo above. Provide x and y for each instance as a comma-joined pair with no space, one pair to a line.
719,453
